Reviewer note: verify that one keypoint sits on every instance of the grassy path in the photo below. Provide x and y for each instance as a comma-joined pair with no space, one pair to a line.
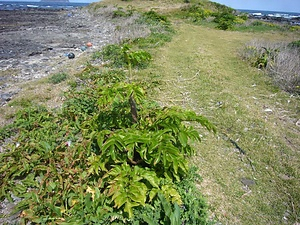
200,70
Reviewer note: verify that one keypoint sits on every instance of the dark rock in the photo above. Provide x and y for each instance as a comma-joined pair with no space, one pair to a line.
247,182
71,55
34,53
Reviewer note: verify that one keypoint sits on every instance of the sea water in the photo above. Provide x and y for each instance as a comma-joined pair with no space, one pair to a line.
19,5
272,13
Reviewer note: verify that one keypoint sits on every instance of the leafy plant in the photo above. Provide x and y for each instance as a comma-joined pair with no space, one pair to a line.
294,44
196,13
194,207
58,78
152,17
260,57
225,20
279,61
161,30
121,56
120,12
117,162
107,155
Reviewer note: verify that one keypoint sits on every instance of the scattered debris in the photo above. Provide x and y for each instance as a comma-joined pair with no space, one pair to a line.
71,55
268,110
247,182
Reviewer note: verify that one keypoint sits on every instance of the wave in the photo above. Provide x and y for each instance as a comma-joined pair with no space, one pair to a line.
18,5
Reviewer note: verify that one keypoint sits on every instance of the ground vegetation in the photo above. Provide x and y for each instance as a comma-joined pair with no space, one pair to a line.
124,147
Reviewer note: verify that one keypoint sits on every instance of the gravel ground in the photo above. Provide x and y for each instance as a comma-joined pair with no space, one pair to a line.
35,43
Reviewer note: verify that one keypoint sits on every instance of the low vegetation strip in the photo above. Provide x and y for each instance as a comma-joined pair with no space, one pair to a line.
202,70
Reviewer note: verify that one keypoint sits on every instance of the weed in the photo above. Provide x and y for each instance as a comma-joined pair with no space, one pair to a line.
225,21
23,102
135,162
120,56
120,12
294,44
259,26
280,62
58,78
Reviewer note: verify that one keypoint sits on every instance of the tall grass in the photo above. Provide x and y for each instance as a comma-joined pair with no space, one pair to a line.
279,60
285,70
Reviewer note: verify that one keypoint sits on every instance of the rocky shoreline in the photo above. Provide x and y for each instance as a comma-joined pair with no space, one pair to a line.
35,43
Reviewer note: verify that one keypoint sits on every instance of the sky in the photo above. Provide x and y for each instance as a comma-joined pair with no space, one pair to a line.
269,5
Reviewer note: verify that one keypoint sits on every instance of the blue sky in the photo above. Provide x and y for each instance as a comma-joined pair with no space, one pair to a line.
271,5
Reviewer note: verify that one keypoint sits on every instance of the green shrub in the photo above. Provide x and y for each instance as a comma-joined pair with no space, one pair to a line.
113,54
93,73
152,17
225,21
294,44
106,154
95,158
194,208
260,57
280,62
118,56
161,30
259,26
120,12
257,23
109,156
220,8
196,13
58,78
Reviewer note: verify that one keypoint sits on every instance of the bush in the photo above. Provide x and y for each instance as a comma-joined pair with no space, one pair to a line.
110,156
259,26
106,154
152,17
294,44
58,78
280,61
120,56
285,71
225,21
196,13
120,12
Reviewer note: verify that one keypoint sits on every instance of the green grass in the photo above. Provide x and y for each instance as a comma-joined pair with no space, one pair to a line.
57,78
259,26
200,70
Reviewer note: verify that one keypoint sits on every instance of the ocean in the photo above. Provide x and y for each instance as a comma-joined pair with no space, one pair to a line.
12,5
273,13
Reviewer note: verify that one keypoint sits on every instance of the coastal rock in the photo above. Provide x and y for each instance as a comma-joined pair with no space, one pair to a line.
35,43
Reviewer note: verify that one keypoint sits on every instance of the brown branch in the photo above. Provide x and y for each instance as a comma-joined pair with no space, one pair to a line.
133,109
